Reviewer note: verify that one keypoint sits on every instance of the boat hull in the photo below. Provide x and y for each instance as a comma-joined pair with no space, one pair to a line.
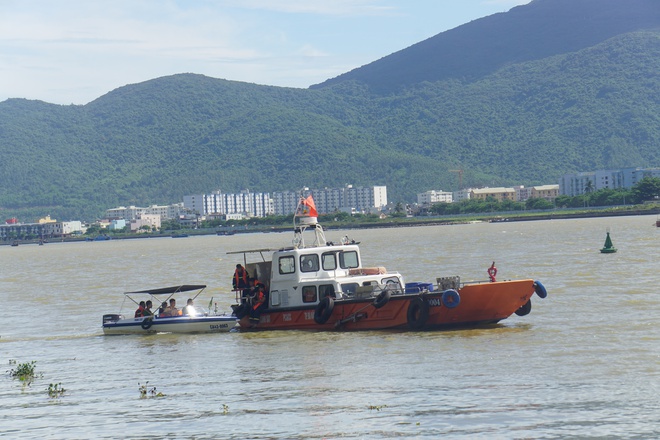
178,324
480,304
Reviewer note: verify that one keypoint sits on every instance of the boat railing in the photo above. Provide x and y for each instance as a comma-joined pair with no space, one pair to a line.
373,290
240,295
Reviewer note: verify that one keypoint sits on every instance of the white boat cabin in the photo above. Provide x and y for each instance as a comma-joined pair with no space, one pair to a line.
303,276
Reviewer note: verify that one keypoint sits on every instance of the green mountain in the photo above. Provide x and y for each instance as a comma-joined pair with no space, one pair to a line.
536,108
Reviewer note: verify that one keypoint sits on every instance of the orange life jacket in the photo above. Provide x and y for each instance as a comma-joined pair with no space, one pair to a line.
258,300
238,277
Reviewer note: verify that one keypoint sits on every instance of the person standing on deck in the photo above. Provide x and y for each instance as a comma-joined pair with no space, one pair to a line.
240,280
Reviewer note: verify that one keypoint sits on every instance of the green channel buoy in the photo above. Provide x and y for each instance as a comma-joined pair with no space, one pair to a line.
609,247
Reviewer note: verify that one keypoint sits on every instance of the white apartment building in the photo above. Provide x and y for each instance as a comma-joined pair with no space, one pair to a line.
575,184
327,200
133,212
433,197
246,203
463,194
48,229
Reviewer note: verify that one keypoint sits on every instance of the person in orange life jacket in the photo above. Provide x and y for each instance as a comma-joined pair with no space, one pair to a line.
240,280
248,291
258,301
139,313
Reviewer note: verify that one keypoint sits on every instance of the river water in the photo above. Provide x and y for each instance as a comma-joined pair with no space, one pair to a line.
583,364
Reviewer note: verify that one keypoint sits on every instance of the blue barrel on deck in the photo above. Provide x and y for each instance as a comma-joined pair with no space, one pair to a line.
418,287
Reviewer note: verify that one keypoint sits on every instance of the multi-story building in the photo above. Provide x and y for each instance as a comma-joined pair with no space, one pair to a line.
133,212
432,197
122,212
43,229
460,195
286,202
246,203
499,194
547,192
575,184
151,220
327,200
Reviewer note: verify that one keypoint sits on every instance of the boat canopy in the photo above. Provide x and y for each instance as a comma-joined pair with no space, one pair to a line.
170,290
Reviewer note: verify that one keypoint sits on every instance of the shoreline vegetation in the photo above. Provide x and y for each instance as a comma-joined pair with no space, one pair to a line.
390,222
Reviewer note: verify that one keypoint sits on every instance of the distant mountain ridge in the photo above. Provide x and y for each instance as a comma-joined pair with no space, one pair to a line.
540,29
520,118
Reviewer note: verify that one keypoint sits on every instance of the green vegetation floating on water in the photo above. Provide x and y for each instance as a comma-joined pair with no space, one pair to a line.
24,372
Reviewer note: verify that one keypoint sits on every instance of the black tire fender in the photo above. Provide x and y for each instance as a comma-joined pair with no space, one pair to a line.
147,322
525,308
418,313
324,310
382,298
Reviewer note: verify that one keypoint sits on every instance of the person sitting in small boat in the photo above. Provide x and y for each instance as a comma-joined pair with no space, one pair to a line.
139,313
147,309
162,308
189,309
171,310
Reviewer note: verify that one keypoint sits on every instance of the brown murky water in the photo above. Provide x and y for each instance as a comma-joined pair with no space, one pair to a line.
584,364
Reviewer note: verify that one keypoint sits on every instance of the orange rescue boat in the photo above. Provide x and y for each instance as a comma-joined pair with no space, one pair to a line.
325,287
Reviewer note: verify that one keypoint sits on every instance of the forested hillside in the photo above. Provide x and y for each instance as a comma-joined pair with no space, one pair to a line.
525,122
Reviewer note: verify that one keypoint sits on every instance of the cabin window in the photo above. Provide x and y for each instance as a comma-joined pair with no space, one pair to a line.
309,294
309,263
327,290
348,260
329,261
287,265
349,288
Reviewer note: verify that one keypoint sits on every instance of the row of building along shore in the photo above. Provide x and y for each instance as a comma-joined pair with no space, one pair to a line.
350,199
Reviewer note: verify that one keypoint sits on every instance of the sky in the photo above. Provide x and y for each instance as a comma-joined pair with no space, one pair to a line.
74,51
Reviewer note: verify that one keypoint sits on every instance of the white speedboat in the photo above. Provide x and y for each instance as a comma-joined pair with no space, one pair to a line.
192,319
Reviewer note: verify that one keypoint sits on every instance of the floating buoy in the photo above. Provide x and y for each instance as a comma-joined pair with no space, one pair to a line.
609,247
